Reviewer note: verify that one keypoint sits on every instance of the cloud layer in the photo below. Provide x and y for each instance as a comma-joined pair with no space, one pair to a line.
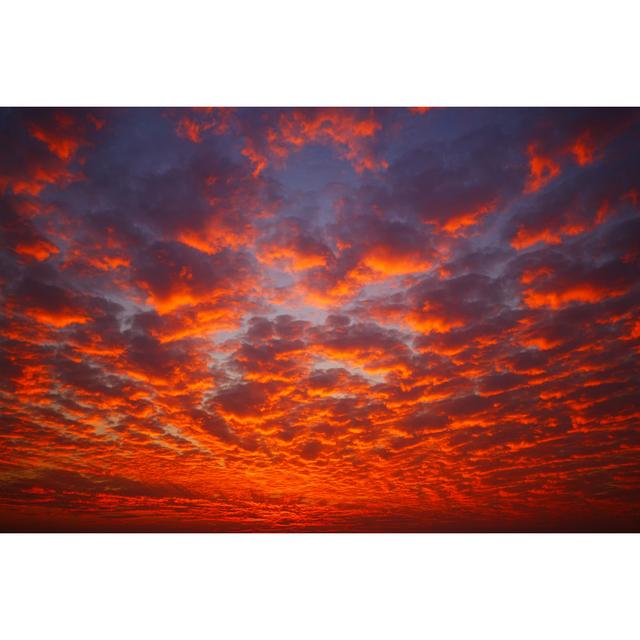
320,319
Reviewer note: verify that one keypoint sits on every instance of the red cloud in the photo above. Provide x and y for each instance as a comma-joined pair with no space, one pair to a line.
193,124
175,276
349,133
45,158
38,249
542,169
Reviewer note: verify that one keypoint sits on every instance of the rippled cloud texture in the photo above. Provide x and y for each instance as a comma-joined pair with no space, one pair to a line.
320,319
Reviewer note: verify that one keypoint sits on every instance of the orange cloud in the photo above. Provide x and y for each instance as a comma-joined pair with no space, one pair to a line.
525,238
427,322
61,137
297,258
258,160
542,169
580,292
349,133
200,120
469,218
40,177
583,149
38,249
56,318
529,275
386,260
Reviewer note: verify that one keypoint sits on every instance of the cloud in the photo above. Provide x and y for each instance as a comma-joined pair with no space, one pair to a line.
351,133
174,275
319,319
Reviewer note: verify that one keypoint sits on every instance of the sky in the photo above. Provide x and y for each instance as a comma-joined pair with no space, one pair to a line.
348,319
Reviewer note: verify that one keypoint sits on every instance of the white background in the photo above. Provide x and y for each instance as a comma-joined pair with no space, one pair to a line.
324,586
329,52
319,586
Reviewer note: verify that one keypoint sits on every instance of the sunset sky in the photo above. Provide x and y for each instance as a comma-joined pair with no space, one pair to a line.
401,319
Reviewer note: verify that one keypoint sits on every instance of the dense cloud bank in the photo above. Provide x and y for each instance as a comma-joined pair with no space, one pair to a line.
320,319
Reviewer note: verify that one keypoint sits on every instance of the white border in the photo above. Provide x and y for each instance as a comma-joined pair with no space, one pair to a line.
335,52
319,586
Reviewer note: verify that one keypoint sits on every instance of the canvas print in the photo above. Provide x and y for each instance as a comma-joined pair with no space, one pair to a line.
320,320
